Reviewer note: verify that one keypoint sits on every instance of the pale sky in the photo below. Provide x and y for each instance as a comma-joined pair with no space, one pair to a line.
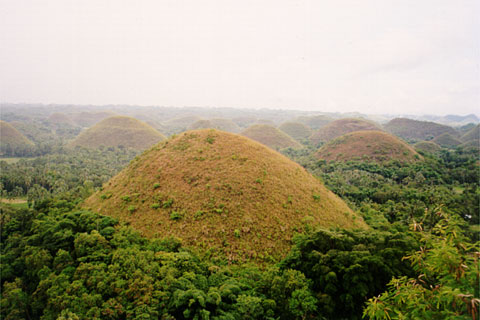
384,56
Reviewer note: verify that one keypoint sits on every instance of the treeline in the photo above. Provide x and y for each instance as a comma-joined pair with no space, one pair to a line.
78,171
58,262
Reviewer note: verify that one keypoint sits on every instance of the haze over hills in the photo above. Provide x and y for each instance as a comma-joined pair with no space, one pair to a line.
220,190
367,146
270,136
417,130
118,131
340,127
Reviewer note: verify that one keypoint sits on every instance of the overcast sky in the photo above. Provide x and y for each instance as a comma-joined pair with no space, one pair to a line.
384,56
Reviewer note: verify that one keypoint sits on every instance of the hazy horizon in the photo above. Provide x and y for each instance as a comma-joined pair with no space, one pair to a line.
372,57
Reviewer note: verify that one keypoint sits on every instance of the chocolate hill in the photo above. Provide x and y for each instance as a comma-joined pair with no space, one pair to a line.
118,131
220,124
427,146
296,130
340,127
270,136
12,142
368,146
221,192
417,130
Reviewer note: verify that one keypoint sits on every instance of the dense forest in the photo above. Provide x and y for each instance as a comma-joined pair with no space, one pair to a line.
418,259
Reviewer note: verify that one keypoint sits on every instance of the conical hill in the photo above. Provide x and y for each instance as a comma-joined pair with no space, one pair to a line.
12,141
369,146
340,127
119,131
296,130
270,136
222,192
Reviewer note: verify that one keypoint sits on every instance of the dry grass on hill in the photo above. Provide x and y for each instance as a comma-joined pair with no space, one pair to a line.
447,140
367,145
427,146
296,130
9,135
340,127
118,131
417,130
270,136
221,193
472,134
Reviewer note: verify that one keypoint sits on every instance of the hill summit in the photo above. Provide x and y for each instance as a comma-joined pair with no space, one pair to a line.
340,127
367,145
417,130
119,131
221,192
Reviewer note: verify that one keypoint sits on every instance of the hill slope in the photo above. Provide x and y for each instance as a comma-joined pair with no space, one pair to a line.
270,136
447,140
472,134
88,119
340,127
314,122
118,131
60,118
367,145
296,130
222,192
417,130
12,142
427,146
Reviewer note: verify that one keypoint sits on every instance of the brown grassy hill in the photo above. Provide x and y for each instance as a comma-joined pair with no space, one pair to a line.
427,146
119,131
296,130
270,136
367,145
471,144
220,124
447,140
314,122
88,119
60,118
472,134
340,127
12,142
222,192
244,122
417,130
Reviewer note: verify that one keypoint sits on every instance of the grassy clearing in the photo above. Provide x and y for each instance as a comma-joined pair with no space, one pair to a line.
223,194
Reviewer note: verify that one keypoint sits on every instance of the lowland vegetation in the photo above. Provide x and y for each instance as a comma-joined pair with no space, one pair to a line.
213,225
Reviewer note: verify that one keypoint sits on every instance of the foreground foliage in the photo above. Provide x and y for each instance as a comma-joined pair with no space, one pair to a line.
446,285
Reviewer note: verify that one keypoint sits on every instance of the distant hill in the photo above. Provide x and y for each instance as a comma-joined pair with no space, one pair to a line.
471,144
220,124
427,146
180,124
340,127
417,130
221,192
270,136
12,142
58,118
369,146
88,119
447,140
296,130
118,131
314,122
244,122
472,134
